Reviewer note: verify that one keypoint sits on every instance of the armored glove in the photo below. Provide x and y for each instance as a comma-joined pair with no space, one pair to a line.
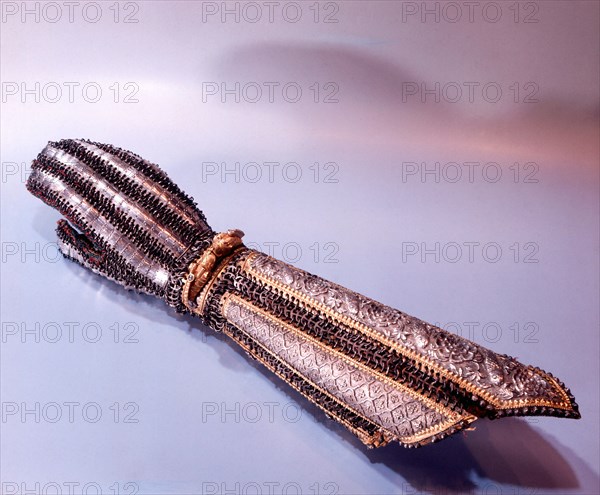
383,374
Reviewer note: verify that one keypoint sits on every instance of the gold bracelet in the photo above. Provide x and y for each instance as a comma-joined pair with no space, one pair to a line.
201,271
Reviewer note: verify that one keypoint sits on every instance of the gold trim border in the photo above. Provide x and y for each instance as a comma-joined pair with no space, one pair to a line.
364,437
311,304
453,418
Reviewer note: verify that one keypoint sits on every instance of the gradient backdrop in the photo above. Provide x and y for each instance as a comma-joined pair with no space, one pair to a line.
441,157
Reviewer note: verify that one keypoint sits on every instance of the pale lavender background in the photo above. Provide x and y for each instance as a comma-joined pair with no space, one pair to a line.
178,365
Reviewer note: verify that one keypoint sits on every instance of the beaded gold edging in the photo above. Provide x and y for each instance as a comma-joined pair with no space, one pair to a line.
425,364
379,439
452,418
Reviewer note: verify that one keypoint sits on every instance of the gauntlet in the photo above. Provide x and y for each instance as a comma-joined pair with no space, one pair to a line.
384,375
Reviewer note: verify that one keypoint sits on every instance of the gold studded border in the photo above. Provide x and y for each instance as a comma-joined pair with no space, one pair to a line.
452,418
425,364
377,440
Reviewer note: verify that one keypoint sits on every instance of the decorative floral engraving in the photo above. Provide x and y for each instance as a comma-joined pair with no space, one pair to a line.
499,378
399,412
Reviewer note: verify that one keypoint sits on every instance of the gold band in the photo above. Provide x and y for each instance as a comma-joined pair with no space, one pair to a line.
201,270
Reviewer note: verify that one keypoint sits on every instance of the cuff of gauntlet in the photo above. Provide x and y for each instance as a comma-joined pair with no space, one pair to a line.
383,374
